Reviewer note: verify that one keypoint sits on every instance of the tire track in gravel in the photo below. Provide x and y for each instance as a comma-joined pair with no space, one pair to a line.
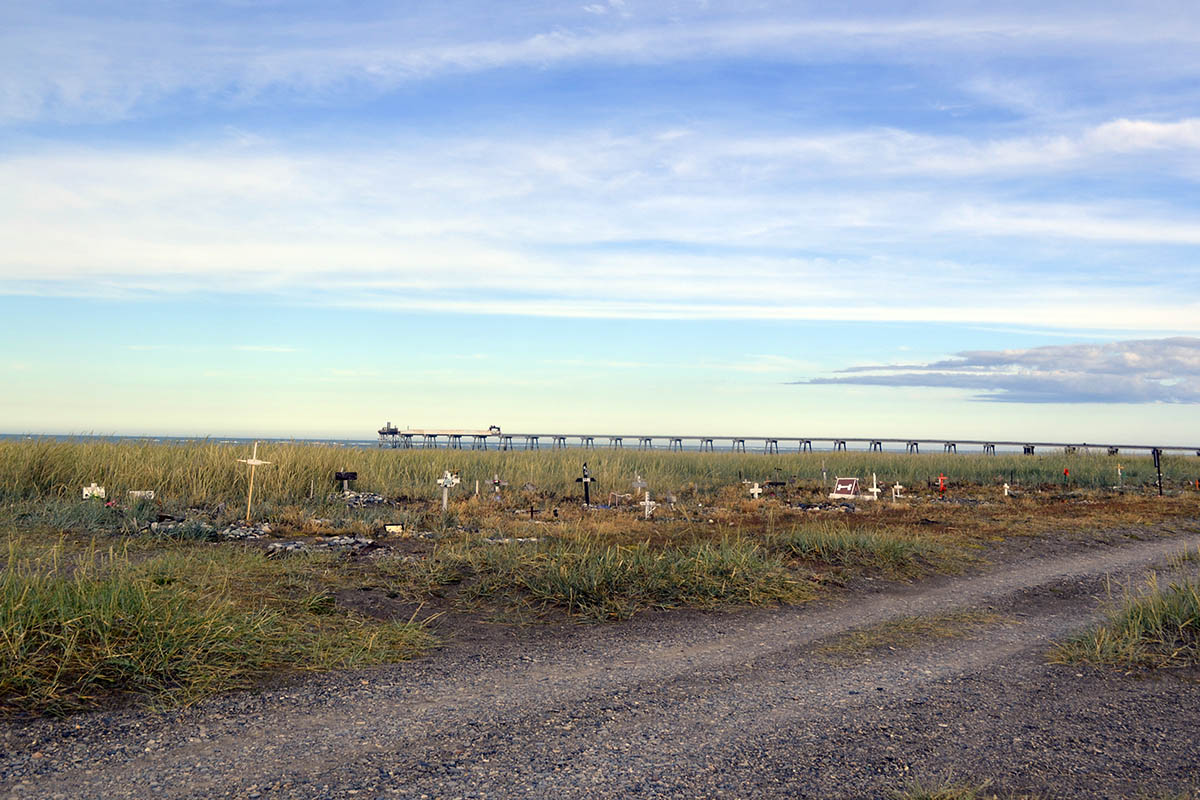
659,709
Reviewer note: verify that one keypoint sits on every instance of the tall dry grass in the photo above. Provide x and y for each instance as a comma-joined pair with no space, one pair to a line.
208,472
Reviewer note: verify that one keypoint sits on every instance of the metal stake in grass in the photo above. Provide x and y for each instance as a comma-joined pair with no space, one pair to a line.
586,480
253,461
1158,467
447,480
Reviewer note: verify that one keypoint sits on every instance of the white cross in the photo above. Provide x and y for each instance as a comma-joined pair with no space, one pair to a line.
649,505
874,490
896,491
1006,490
755,491
638,483
93,491
446,481
253,461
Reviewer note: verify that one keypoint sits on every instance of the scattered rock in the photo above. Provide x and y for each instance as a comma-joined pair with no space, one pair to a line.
354,499
340,544
241,531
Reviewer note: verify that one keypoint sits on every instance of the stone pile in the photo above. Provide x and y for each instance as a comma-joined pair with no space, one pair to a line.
337,544
844,508
354,499
241,531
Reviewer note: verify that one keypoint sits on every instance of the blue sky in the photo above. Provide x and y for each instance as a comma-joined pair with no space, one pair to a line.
961,219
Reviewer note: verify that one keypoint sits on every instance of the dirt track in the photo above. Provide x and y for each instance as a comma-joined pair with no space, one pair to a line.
677,705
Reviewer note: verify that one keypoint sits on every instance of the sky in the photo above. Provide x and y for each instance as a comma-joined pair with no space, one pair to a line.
893,219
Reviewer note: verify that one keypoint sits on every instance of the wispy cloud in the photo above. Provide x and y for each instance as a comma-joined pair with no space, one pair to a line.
596,225
1137,371
87,64
263,348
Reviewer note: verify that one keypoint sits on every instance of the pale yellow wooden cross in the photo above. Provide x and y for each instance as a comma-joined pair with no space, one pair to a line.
253,461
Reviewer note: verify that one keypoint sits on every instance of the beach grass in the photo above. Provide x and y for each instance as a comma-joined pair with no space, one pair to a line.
80,628
206,472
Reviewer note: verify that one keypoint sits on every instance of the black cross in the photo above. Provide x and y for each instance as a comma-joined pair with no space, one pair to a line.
586,480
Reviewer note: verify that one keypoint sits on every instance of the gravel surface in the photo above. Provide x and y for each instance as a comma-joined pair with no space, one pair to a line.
677,705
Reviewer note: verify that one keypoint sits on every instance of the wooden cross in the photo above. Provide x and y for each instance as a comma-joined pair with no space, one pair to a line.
447,480
253,461
941,483
896,491
874,490
649,505
1006,488
756,491
586,480
638,483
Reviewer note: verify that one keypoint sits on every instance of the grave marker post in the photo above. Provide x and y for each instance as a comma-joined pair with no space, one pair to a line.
649,505
253,461
587,480
447,480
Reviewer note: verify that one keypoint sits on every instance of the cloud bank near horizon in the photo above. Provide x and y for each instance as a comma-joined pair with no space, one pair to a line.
1135,371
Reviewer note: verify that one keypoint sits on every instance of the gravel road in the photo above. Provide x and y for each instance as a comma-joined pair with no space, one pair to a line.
678,705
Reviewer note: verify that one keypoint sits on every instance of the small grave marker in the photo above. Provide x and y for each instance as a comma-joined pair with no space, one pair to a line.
253,461
93,491
874,490
134,494
447,480
1006,488
844,489
345,478
649,505
941,483
897,490
587,480
1120,477
756,491
496,485
638,484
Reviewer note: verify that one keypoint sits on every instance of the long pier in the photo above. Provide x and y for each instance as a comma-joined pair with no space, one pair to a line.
458,439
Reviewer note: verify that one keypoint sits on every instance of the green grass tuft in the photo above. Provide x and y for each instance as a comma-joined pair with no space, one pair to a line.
1158,626
593,579
169,630
833,543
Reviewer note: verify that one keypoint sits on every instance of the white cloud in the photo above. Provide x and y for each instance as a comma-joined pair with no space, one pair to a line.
1138,371
87,65
577,226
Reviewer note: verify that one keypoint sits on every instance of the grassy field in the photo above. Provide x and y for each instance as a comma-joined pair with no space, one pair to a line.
95,605
209,473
